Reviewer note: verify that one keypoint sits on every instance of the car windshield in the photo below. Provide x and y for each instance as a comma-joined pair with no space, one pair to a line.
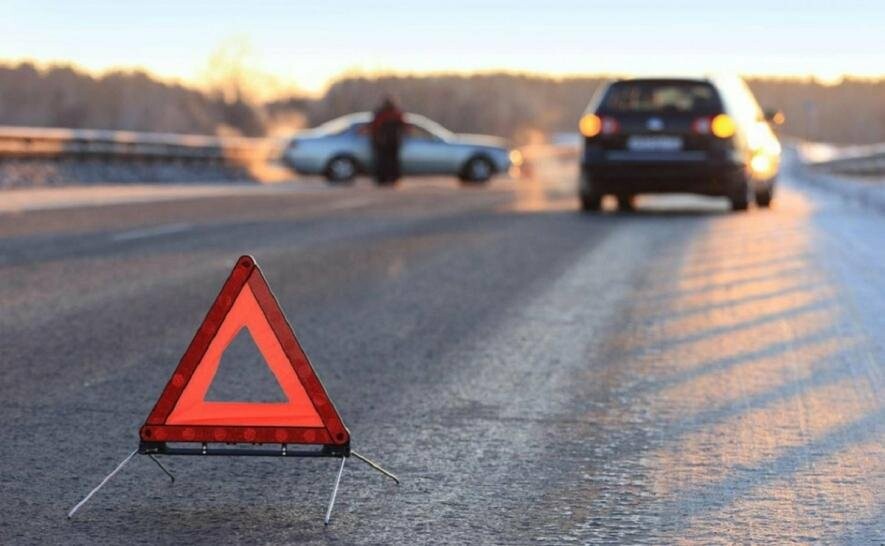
661,97
338,125
429,128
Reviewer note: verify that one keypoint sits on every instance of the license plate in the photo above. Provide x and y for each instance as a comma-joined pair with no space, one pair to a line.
654,143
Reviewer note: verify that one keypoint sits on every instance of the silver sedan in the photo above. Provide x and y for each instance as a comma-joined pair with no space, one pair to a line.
340,150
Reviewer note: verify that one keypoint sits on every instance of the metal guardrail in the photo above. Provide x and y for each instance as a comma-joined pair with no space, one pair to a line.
57,143
866,160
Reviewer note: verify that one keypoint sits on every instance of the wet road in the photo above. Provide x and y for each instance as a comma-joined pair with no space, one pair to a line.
532,374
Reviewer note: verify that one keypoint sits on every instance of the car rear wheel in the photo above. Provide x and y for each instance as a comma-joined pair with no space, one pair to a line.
740,194
590,202
341,170
626,203
477,171
739,203
763,197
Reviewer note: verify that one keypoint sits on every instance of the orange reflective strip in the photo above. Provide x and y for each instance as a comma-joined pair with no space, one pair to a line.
193,409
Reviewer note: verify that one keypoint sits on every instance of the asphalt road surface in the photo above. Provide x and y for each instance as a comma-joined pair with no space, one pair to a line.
532,374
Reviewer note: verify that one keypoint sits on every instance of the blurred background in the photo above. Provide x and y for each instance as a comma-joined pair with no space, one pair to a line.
521,72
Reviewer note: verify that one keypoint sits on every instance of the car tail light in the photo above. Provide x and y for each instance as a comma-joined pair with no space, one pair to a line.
701,126
590,125
721,126
761,164
610,126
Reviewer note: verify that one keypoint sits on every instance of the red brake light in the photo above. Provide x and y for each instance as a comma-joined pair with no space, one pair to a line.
592,125
701,126
610,126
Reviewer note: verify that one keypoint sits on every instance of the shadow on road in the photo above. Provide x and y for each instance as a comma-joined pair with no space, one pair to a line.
739,374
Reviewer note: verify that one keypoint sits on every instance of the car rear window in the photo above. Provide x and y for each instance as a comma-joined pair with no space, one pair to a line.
661,97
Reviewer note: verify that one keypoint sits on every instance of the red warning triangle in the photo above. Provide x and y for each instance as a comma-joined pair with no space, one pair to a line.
182,414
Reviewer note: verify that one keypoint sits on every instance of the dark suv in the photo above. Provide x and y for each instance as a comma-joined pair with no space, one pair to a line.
705,136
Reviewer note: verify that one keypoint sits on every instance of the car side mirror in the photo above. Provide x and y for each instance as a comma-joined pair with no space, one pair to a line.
774,116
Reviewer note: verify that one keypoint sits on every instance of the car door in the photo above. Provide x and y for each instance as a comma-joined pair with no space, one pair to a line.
360,146
424,152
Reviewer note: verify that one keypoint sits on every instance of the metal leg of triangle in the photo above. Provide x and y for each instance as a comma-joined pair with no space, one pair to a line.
204,451
163,468
375,465
364,459
334,492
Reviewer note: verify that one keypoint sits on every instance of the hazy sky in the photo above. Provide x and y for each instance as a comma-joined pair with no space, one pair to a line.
309,42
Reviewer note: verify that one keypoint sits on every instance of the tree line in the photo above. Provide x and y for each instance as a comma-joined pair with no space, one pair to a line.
520,107
61,96
517,106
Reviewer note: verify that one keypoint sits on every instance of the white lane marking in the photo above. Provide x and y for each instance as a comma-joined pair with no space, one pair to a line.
25,200
155,231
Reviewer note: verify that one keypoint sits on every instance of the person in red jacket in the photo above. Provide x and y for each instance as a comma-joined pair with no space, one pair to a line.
386,131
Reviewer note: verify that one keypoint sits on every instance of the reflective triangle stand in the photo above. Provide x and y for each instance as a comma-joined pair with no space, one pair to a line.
369,462
152,449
